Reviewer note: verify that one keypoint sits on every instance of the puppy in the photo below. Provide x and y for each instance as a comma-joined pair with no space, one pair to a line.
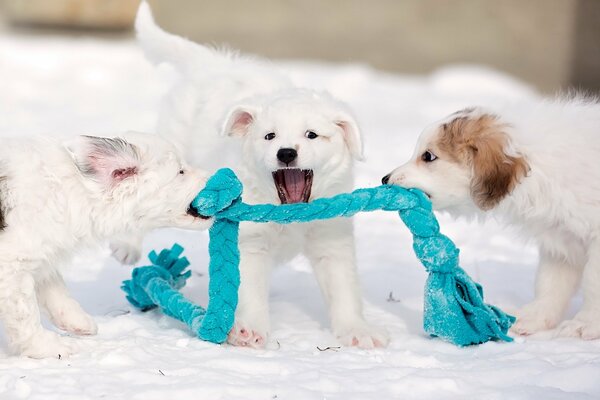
288,145
56,199
537,168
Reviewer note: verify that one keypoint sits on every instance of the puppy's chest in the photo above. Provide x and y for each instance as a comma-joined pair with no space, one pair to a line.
289,240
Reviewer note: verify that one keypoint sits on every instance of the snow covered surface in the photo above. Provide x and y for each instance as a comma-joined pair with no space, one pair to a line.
62,86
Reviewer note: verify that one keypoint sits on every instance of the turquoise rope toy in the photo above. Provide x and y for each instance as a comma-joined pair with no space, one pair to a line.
156,286
454,309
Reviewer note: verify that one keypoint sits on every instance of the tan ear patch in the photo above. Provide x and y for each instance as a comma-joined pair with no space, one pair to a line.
481,142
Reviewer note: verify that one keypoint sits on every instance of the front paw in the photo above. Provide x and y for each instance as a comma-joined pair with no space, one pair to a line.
48,345
70,317
246,335
125,253
362,335
584,325
533,318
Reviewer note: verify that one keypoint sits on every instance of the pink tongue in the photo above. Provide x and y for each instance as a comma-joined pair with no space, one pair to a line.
294,184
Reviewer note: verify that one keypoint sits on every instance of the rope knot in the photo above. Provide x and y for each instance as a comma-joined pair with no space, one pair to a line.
221,191
437,253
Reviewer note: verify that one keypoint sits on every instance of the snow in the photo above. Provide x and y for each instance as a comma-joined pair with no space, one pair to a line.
65,86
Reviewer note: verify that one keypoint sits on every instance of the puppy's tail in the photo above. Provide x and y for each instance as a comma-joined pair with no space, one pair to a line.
160,46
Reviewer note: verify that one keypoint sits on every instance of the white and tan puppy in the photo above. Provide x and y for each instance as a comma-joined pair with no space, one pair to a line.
57,198
537,168
288,145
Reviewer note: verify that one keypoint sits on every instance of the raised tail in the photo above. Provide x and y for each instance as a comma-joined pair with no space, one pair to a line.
160,46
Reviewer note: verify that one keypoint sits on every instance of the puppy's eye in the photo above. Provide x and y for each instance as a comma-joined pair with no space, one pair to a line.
181,172
311,135
270,136
428,156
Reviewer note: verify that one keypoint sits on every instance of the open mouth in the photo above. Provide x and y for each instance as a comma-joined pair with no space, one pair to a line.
293,184
194,213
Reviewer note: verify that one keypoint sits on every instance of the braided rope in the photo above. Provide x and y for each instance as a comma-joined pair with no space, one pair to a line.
454,308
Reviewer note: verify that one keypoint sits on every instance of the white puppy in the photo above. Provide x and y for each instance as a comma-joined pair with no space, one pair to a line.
538,168
56,199
296,145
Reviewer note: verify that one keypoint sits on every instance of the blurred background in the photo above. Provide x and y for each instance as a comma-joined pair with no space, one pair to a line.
550,44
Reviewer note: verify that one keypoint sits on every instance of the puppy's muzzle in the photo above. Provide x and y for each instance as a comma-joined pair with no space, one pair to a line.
194,213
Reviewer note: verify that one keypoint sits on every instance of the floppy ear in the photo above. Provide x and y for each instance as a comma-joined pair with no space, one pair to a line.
105,160
496,170
238,121
352,135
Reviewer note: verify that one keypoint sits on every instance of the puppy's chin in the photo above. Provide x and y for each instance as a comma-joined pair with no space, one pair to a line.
443,197
454,206
187,221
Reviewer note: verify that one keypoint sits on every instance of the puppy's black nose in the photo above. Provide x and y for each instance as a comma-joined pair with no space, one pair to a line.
287,155
386,179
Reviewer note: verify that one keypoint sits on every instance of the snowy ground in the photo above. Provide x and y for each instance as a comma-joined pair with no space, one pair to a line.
61,86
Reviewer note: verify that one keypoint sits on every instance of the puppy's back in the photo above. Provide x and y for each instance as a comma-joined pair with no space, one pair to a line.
561,138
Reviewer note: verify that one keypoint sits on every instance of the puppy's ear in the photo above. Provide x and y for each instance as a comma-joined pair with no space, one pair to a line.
238,121
352,135
497,169
105,160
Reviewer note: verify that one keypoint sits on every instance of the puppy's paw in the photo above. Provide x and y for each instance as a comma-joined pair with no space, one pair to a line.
71,318
583,325
125,253
246,336
534,318
361,334
49,345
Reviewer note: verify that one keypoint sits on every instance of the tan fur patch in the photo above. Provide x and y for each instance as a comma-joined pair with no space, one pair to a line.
480,142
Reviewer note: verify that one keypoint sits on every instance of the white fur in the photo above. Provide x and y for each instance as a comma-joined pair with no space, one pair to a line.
557,204
60,197
221,110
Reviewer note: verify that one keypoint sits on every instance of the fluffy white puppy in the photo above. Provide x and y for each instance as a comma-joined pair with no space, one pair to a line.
288,145
56,198
537,168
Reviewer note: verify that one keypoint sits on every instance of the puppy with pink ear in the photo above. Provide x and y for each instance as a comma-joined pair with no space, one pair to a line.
537,168
57,198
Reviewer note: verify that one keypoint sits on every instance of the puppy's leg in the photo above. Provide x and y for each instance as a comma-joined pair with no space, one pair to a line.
586,323
63,310
21,316
128,249
252,315
556,281
330,249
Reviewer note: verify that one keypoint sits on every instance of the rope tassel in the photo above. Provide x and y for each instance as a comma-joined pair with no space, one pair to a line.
454,309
